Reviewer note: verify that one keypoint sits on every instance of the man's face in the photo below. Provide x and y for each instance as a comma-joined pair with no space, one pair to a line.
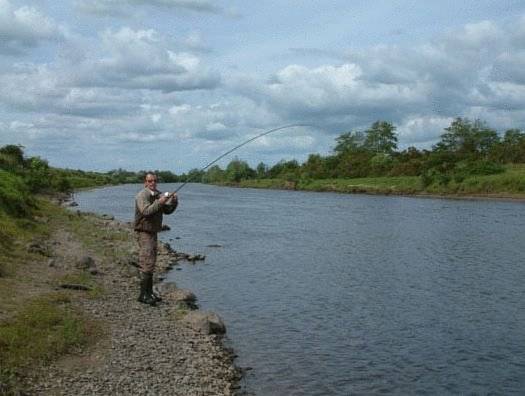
151,182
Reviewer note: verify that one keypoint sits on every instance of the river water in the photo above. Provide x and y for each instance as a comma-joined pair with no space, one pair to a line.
333,294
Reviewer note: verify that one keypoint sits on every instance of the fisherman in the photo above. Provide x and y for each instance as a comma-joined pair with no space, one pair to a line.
150,205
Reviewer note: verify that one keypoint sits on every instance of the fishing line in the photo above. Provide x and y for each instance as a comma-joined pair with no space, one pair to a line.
237,147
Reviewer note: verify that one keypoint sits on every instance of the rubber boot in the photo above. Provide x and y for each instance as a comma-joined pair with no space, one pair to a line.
145,296
154,295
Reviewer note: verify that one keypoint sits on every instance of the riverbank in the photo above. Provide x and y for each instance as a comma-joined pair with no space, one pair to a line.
509,185
83,267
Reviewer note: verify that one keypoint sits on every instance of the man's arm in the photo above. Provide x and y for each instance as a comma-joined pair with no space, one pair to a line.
171,204
145,207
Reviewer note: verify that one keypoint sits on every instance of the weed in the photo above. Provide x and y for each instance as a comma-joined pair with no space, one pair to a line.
45,327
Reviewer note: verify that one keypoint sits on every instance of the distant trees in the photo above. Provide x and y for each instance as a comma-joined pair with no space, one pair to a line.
511,148
466,147
468,139
381,138
238,170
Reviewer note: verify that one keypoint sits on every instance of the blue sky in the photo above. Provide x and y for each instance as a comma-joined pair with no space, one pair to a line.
172,84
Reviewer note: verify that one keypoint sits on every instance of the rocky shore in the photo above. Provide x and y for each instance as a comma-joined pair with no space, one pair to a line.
171,349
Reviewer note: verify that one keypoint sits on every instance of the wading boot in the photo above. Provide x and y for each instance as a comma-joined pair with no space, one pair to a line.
145,296
153,295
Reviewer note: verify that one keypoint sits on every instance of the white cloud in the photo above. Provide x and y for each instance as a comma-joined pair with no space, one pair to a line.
215,126
24,28
126,7
141,59
135,86
421,131
478,69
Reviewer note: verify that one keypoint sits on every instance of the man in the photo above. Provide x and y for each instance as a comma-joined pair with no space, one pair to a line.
150,205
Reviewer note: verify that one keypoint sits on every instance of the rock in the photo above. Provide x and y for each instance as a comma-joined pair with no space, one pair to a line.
35,247
107,217
197,257
182,296
75,286
165,227
85,263
214,245
205,322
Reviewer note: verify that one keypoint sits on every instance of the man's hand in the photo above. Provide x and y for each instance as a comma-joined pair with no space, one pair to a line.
167,198
172,198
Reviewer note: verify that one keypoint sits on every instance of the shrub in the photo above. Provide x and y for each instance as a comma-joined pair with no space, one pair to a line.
15,198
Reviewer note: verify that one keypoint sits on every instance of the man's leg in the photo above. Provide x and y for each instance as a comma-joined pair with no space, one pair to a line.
147,257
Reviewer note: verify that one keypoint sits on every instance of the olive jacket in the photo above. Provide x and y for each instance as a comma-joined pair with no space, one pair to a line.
148,210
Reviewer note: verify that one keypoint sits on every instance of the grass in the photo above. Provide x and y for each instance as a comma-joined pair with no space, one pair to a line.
44,328
510,183
377,185
15,235
38,325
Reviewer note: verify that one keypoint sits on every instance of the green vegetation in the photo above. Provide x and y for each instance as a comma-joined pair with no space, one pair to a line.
470,158
37,325
84,279
45,327
460,163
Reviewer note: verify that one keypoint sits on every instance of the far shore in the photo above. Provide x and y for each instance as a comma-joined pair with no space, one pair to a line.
276,184
351,187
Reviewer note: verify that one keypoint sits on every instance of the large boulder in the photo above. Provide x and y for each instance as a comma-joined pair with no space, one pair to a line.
183,298
205,322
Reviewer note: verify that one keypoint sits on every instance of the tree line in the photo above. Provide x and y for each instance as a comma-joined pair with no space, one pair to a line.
465,148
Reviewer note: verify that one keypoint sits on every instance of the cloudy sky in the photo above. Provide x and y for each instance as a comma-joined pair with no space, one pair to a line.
172,84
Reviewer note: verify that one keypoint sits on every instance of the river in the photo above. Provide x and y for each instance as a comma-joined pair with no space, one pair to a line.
334,294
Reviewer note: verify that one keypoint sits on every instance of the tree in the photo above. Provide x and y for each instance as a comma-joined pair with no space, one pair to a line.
285,170
467,138
261,170
11,157
194,175
314,167
349,142
514,146
238,170
381,138
214,175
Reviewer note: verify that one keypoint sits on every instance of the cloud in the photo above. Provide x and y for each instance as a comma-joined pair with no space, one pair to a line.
24,28
126,7
476,70
141,59
422,131
129,89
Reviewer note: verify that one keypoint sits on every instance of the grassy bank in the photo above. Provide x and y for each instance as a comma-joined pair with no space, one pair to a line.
510,183
39,322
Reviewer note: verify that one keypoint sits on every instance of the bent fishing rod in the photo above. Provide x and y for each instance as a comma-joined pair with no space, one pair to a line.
237,147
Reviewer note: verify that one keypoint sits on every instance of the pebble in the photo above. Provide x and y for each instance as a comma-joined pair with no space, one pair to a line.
149,351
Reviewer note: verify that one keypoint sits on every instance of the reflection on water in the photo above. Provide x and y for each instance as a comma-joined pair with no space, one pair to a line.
331,294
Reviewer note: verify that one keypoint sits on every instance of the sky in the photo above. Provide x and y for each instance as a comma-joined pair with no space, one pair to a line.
173,84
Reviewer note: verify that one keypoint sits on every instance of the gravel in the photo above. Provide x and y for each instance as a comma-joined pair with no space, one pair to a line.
145,351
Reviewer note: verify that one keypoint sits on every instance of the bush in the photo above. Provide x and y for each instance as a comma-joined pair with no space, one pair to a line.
15,198
478,168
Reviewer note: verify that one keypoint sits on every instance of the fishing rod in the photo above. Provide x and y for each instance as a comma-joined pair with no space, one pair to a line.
237,147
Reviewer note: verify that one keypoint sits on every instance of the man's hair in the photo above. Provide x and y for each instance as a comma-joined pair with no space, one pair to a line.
150,174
